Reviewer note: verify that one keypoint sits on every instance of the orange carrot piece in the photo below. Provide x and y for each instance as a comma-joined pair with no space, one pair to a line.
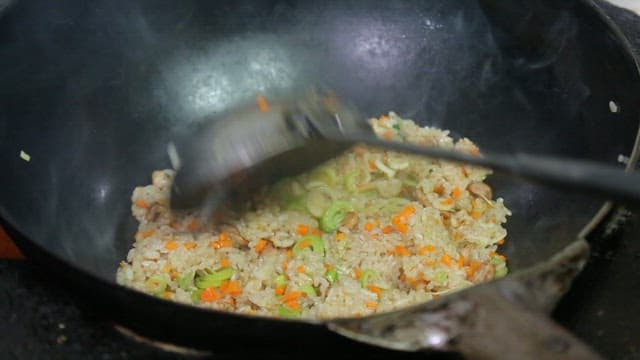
280,290
357,273
147,233
302,229
262,103
231,287
401,250
446,259
475,214
460,262
374,289
190,245
293,295
171,245
339,236
225,262
293,304
446,202
387,229
285,265
371,304
438,189
300,269
372,165
456,192
142,204
426,249
500,242
368,226
210,295
261,245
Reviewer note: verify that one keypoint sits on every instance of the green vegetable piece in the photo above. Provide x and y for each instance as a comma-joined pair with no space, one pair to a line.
440,278
206,279
317,244
500,267
156,285
308,289
325,175
396,126
350,181
288,312
332,275
366,276
185,281
281,280
195,295
334,215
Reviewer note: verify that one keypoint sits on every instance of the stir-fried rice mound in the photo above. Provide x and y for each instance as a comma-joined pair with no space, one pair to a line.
369,231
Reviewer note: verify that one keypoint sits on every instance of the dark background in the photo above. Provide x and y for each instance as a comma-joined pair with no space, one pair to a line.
40,319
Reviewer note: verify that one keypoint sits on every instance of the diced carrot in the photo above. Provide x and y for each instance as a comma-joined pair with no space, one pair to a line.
368,226
474,151
168,294
446,202
293,304
171,245
387,229
261,245
372,165
289,253
147,233
357,273
456,192
280,290
210,295
142,204
374,289
292,295
328,266
225,262
339,236
500,242
370,304
438,189
460,262
388,135
222,242
401,250
262,103
190,245
304,244
300,269
446,259
475,214
302,229
402,227
408,210
285,265
426,249
194,225
231,287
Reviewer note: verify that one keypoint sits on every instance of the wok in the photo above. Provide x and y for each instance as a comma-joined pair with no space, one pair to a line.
94,91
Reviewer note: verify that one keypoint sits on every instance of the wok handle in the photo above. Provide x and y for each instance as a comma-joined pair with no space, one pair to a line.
507,330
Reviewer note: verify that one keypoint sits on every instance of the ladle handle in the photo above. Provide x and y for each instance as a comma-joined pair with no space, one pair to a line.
505,330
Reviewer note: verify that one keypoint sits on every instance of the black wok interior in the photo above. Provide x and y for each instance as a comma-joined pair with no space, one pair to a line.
94,91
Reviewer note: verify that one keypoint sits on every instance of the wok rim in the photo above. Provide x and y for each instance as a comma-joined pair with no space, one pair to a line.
41,256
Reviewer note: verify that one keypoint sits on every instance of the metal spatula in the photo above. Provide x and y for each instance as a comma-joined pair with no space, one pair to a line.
231,157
